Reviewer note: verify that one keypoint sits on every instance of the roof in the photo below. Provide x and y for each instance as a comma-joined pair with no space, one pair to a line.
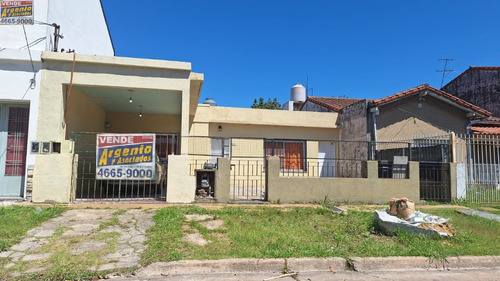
439,93
471,68
485,130
335,104
490,126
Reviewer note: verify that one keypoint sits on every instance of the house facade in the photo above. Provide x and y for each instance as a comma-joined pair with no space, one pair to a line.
58,25
85,99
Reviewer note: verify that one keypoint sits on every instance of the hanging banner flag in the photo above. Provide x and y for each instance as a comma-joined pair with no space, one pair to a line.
16,12
125,156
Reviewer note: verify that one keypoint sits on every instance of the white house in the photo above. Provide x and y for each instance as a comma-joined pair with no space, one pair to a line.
59,26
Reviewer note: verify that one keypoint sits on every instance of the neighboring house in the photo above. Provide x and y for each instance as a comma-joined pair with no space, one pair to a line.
421,110
84,28
479,85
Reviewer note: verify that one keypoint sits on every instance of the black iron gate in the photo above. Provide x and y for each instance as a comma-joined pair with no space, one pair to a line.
88,188
435,181
434,166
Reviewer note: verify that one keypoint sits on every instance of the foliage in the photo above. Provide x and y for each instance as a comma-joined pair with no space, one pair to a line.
270,104
16,221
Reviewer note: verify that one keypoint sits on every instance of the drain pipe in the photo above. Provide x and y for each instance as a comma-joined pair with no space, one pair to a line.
374,112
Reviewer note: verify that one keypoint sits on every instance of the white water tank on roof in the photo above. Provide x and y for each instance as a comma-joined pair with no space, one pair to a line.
210,101
298,93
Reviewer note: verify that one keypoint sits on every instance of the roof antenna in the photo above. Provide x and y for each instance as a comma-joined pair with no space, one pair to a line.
307,88
445,71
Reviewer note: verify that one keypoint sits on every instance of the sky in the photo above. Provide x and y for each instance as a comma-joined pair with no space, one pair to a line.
261,48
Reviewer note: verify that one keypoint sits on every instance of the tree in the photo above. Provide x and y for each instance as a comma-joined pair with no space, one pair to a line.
270,104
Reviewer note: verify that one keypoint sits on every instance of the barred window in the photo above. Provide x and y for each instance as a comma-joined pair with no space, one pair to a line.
290,152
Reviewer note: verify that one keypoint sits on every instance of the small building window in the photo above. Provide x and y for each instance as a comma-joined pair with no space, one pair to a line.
290,152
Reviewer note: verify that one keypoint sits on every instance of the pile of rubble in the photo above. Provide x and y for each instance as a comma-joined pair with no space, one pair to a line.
401,214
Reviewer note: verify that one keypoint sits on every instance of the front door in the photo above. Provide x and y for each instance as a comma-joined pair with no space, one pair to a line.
326,159
13,146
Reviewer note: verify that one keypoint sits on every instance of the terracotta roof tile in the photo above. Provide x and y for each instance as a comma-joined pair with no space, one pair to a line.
423,87
485,130
335,104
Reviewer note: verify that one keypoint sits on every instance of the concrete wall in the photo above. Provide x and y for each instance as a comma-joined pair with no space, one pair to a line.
85,115
52,176
369,189
223,180
354,122
411,117
479,87
83,24
181,186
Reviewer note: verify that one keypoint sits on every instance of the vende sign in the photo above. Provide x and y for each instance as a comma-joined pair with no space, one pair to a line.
125,156
16,12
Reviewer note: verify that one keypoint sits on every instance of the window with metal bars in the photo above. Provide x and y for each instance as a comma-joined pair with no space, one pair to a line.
290,152
166,144
17,140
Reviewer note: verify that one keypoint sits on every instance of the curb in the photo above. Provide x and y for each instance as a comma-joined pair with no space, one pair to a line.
318,265
213,266
423,263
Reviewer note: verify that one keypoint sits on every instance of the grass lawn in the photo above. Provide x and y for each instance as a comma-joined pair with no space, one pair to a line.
16,221
265,232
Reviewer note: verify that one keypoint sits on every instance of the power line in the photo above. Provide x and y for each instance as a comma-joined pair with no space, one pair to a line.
445,71
32,81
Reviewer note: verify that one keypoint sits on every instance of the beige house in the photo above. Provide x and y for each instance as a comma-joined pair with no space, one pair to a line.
202,152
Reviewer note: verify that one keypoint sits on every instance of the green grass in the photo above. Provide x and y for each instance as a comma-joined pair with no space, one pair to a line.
307,232
16,221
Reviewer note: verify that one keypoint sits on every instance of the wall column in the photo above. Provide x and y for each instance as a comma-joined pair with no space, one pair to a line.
185,122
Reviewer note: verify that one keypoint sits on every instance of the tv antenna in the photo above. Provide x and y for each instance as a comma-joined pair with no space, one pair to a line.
445,71
307,87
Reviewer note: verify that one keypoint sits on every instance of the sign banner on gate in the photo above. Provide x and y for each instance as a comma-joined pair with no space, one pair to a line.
125,156
16,12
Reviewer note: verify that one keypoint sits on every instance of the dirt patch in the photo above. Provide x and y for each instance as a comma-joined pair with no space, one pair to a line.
197,217
193,235
441,227
213,224
196,239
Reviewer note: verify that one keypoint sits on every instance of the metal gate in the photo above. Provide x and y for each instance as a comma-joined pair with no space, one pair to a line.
435,181
478,158
247,180
87,188
433,155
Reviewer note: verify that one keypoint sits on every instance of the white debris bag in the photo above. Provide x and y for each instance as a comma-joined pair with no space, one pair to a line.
418,222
